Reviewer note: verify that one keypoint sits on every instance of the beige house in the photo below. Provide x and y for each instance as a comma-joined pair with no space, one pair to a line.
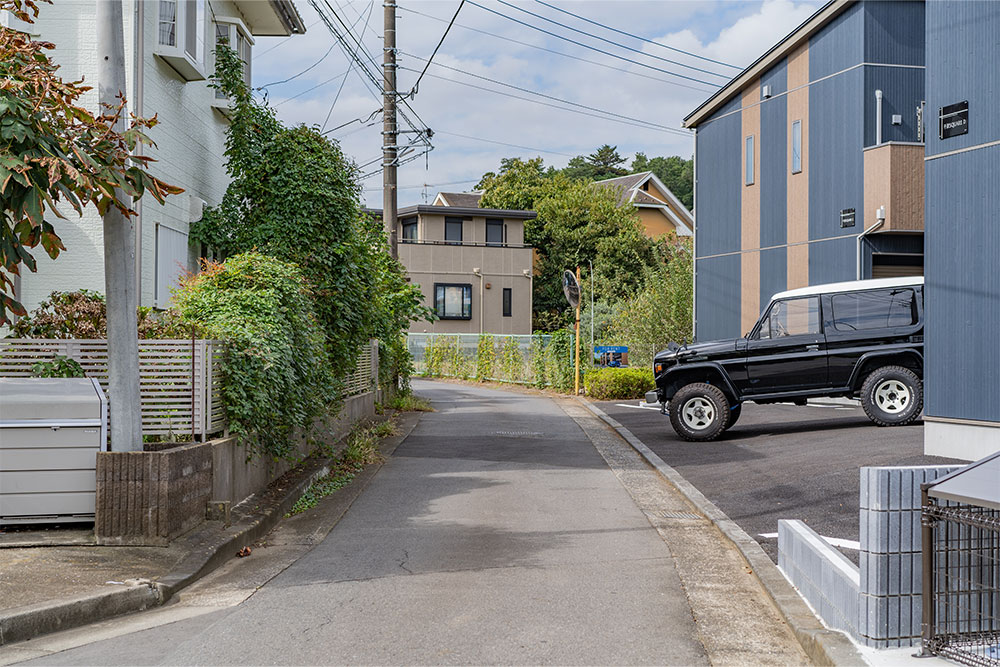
659,209
471,264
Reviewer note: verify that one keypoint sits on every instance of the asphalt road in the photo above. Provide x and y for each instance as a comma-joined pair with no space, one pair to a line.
782,462
495,534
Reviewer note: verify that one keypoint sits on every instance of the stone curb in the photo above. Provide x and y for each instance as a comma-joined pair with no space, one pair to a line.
822,645
211,551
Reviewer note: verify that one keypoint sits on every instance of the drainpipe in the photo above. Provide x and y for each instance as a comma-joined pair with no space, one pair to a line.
878,117
139,46
879,222
477,272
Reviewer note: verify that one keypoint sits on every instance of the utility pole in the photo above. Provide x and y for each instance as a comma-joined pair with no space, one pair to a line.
389,128
119,252
576,373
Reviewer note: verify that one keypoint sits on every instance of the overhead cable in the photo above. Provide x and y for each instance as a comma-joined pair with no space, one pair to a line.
642,39
559,53
546,96
312,88
371,6
413,90
501,143
592,48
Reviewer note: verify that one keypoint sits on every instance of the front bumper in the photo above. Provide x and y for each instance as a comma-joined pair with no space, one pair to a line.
652,397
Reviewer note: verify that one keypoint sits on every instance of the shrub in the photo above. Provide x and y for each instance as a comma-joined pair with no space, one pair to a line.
276,375
58,367
618,383
83,314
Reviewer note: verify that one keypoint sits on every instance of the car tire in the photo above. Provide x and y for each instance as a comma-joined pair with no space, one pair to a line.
892,396
734,415
699,412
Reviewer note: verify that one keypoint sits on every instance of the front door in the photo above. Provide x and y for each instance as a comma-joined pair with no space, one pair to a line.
787,351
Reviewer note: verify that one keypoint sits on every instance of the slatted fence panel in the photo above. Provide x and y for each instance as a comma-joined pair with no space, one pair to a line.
178,379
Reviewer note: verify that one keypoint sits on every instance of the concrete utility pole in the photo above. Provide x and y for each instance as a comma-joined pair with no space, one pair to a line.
389,129
119,253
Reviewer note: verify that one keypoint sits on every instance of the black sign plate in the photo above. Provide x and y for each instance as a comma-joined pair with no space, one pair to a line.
953,120
847,217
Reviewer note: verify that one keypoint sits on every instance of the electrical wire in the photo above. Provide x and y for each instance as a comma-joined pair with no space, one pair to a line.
550,97
587,46
295,76
642,39
426,185
371,6
558,53
501,143
413,90
642,124
612,42
312,88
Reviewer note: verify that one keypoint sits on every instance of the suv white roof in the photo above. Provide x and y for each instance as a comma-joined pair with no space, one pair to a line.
851,286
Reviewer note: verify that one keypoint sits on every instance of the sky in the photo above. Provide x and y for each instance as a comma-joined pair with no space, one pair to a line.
309,79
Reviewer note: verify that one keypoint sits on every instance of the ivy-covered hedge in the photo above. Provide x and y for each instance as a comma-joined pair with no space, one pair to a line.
607,384
276,373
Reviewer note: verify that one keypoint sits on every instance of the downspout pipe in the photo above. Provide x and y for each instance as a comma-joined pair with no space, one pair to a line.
879,223
878,117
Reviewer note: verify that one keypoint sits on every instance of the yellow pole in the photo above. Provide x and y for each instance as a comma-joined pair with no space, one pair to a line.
576,375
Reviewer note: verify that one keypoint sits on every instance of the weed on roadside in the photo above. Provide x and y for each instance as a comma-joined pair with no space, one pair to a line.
410,403
361,450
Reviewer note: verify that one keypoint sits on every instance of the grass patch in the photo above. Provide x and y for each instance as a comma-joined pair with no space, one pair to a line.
361,450
410,403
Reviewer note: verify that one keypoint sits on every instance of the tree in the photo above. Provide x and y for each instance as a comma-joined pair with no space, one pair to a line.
603,163
675,172
53,150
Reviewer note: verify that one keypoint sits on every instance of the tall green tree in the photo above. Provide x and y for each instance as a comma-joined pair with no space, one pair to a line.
603,163
675,172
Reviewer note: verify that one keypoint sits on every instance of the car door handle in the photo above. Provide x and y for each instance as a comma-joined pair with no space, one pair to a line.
812,348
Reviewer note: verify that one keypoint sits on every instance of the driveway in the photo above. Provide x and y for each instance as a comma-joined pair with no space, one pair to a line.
783,462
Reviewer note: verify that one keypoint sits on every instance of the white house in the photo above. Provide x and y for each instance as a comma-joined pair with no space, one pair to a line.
168,53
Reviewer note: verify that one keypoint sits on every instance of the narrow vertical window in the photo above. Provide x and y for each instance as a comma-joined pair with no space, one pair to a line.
507,301
168,23
797,147
494,232
748,161
453,230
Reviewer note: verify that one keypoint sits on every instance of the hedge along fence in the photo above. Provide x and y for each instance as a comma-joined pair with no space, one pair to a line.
539,360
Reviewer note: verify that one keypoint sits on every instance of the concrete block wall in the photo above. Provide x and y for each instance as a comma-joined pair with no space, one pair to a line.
890,554
824,576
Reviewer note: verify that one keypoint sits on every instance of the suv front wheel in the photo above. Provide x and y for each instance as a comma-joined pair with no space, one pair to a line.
892,396
699,412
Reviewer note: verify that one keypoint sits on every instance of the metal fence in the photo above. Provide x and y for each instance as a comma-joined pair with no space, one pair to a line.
519,359
179,380
364,378
961,582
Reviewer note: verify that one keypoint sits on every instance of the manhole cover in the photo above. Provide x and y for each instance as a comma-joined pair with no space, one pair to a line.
664,514
518,434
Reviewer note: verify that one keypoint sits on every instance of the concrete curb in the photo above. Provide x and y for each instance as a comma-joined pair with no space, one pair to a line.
209,551
822,645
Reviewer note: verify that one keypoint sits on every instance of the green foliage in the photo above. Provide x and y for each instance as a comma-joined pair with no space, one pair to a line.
338,478
486,356
443,358
512,366
410,403
603,163
83,314
538,362
294,196
662,311
675,172
605,384
560,361
58,367
53,150
277,375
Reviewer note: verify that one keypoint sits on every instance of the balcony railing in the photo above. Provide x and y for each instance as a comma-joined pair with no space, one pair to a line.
470,244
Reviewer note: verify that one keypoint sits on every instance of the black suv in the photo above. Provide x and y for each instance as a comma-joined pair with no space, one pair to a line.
861,339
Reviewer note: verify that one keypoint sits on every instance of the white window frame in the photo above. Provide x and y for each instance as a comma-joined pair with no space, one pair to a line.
188,15
240,39
797,147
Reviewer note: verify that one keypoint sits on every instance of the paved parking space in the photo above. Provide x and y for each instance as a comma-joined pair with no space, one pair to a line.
782,462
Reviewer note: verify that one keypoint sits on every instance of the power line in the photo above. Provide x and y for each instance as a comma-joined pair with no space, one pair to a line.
614,43
642,124
587,46
501,143
318,85
550,97
426,185
558,53
642,39
413,90
295,76
371,6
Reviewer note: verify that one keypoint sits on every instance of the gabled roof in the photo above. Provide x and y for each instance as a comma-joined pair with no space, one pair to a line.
630,192
464,199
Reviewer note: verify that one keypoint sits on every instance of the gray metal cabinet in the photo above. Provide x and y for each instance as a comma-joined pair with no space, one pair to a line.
50,432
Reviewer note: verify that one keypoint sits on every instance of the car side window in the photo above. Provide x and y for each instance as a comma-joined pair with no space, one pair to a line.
875,309
792,317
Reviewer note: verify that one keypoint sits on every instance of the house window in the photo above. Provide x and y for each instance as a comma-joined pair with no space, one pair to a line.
194,33
506,301
748,161
168,22
494,232
410,229
797,147
453,230
233,34
181,33
453,302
